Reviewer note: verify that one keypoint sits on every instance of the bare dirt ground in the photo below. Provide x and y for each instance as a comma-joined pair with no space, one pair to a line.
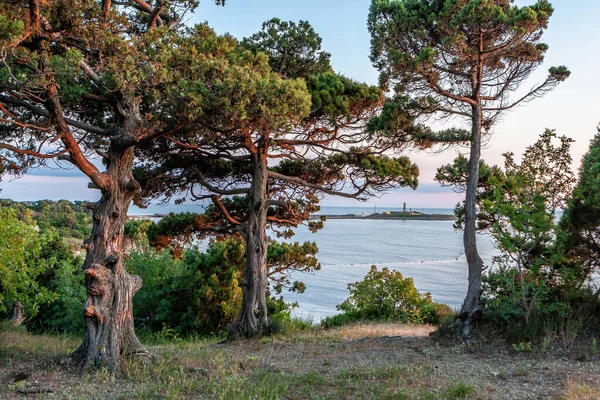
360,361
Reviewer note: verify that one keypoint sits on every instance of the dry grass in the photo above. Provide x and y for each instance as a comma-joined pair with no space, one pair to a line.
582,387
372,361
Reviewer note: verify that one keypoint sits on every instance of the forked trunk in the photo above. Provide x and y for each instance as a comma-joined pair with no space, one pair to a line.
471,307
108,311
252,318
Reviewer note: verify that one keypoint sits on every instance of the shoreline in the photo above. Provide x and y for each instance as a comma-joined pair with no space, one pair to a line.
397,216
417,217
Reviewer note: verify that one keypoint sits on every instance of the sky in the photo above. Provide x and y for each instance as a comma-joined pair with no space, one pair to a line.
572,109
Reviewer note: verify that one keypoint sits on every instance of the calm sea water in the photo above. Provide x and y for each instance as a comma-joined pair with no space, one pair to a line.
430,252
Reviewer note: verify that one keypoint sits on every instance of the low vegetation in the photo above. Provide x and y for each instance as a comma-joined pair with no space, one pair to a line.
387,296
381,360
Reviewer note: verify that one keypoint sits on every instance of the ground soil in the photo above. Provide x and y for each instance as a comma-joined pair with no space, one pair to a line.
317,364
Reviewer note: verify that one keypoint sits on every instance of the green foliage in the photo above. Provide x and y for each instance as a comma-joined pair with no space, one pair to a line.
334,96
459,390
174,230
413,41
530,293
165,297
65,280
217,298
294,49
387,295
21,264
201,293
525,308
135,233
284,258
9,29
579,238
68,218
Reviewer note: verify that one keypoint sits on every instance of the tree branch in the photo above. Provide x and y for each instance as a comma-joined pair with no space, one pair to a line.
217,202
43,113
301,182
214,189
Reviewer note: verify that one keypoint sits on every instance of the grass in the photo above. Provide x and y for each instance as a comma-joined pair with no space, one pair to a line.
361,361
581,390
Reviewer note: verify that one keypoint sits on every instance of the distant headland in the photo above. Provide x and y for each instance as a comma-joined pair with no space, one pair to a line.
394,215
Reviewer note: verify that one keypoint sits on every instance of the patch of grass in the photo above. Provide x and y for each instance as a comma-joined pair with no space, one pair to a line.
522,347
361,361
337,320
288,326
579,390
8,326
522,370
16,344
459,391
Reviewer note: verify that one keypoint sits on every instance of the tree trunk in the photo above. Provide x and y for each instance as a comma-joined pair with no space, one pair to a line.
18,316
108,311
252,318
471,307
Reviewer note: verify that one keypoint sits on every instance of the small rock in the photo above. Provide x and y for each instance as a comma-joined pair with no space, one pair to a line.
64,361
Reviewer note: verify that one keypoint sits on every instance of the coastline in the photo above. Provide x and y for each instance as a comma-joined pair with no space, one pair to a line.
424,217
391,215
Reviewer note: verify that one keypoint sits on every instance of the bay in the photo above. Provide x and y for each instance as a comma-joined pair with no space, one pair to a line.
429,252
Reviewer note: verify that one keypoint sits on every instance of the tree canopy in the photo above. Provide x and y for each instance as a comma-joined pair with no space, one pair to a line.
268,165
85,79
463,58
580,223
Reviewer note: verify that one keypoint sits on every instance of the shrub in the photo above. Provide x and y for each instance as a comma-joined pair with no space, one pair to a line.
165,296
22,264
536,306
387,295
199,292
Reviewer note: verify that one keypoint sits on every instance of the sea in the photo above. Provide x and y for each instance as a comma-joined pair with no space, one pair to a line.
429,252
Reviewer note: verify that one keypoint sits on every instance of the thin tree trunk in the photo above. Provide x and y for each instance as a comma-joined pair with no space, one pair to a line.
471,307
252,318
108,311
18,316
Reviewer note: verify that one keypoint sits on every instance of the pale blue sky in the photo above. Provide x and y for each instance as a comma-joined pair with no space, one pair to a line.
573,109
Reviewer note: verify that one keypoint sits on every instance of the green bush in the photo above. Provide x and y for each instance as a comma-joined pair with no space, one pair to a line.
66,282
536,306
341,319
198,293
387,295
22,264
165,296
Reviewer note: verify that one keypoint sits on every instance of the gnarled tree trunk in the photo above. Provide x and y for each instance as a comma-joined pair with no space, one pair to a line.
108,311
471,307
252,318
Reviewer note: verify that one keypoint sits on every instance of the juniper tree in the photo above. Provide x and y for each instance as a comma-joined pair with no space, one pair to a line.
580,223
463,58
279,168
88,80
518,206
